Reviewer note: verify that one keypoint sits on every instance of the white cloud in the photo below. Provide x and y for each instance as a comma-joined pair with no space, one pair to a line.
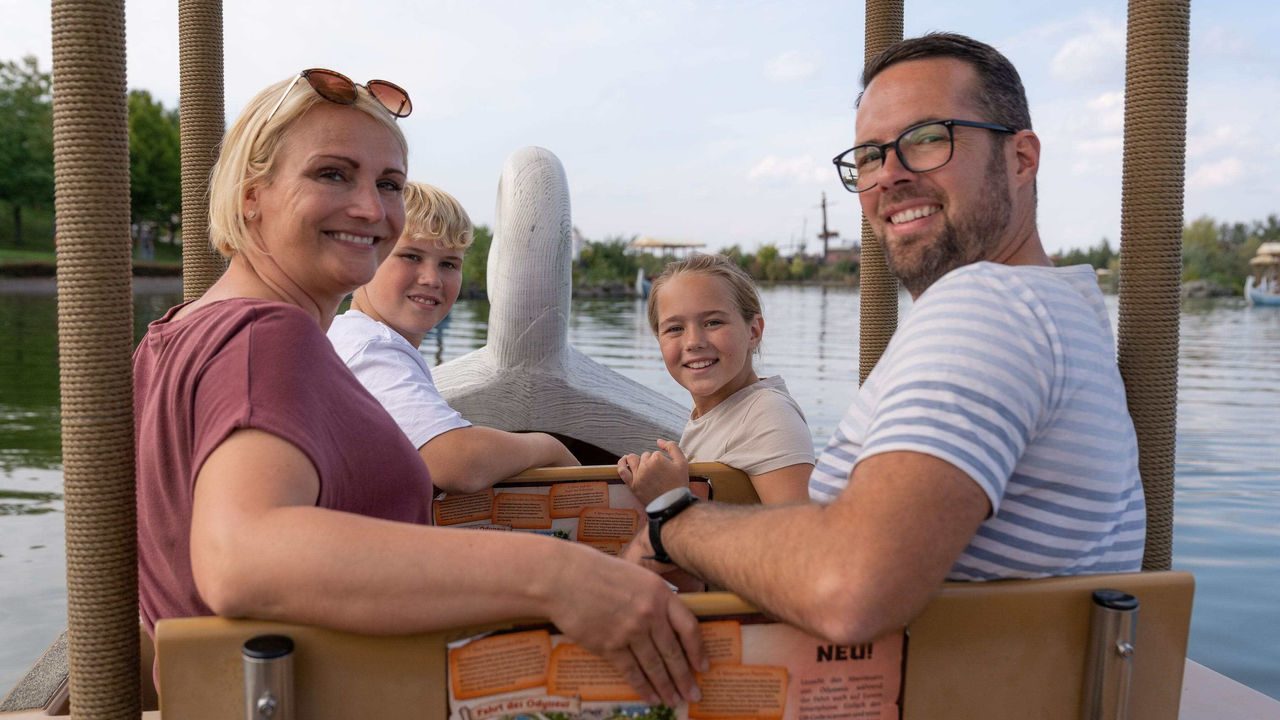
1094,57
1096,156
800,169
791,65
1224,172
1217,139
1108,101
1112,146
1108,111
1232,44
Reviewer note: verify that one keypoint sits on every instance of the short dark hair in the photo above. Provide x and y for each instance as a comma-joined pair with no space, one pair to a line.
1000,90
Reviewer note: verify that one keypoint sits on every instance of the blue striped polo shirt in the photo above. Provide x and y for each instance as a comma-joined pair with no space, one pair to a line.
1009,374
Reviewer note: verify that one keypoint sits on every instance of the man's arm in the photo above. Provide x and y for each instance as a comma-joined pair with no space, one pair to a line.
472,459
847,572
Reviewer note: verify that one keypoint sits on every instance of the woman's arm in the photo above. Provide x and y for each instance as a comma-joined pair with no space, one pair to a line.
260,548
783,486
472,459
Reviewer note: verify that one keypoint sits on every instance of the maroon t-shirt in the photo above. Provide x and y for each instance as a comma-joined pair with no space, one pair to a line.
247,363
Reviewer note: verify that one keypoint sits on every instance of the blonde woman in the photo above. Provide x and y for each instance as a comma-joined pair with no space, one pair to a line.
271,485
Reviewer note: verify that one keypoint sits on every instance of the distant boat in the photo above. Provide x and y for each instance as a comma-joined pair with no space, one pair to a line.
1262,287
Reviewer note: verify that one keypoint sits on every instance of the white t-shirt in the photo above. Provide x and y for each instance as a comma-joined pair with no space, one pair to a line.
395,373
757,430
1009,374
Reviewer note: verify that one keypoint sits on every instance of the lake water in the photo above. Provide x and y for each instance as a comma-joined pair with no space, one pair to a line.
1227,511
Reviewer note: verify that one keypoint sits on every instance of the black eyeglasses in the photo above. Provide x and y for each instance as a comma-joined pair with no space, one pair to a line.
921,148
336,87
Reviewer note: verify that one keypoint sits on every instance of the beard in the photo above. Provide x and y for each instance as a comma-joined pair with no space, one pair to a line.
963,240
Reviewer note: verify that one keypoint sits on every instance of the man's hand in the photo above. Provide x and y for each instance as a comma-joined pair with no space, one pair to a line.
640,552
632,619
653,473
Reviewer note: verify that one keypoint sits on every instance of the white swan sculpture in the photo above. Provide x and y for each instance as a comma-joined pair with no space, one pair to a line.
528,377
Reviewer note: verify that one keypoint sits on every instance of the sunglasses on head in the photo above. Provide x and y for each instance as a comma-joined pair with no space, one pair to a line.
336,87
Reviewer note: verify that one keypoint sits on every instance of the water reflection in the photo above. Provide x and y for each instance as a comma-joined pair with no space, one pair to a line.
28,383
28,503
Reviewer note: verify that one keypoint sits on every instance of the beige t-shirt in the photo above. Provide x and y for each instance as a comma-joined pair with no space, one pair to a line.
757,430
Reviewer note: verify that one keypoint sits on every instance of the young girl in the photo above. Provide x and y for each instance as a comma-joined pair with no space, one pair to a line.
378,339
706,315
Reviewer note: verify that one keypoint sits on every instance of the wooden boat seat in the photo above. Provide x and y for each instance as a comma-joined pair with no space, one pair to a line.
728,484
979,650
1016,648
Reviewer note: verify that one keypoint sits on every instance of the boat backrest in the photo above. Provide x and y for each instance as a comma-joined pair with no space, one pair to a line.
1012,648
727,484
980,650
1016,648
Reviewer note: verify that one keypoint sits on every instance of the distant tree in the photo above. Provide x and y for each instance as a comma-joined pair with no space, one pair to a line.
155,163
1199,244
770,265
1099,256
1267,230
26,139
1221,253
607,261
476,263
802,268
734,253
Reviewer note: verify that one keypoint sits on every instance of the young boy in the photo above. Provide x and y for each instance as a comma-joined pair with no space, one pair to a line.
378,338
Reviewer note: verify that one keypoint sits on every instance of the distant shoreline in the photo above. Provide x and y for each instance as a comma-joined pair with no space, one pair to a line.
48,285
38,278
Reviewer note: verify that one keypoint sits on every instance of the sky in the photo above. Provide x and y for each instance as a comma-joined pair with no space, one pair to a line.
715,122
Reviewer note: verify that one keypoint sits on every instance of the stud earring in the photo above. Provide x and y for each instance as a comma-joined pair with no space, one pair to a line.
250,215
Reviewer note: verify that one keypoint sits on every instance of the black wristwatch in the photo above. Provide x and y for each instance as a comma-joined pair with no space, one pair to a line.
664,507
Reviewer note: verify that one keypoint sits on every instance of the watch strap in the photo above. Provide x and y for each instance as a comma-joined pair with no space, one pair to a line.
655,541
659,517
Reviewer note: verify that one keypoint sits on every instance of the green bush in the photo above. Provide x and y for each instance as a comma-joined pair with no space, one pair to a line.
475,262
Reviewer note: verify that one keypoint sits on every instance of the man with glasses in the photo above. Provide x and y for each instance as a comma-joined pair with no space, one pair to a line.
992,440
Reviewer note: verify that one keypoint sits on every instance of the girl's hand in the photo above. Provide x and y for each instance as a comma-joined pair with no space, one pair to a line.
653,473
626,463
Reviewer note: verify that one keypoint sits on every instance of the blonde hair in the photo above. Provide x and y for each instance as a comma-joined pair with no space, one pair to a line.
741,287
433,214
248,153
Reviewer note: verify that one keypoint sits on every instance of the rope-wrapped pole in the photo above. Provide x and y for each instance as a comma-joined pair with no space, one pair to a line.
200,118
95,341
878,293
1155,130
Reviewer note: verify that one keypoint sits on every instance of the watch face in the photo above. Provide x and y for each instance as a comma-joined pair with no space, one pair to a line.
666,500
